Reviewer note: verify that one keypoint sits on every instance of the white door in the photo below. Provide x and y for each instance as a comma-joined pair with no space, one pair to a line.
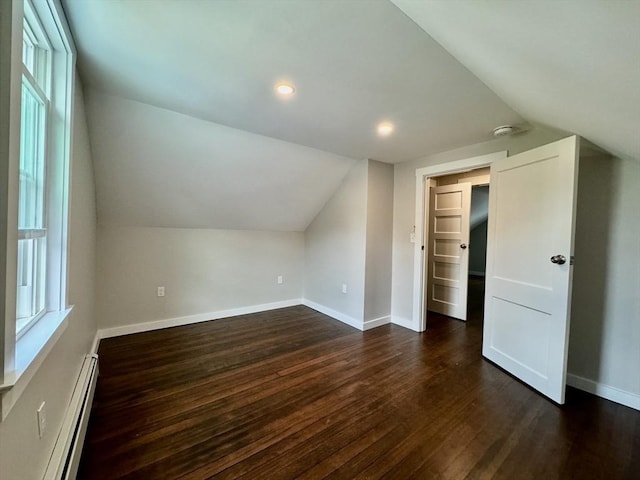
529,250
448,256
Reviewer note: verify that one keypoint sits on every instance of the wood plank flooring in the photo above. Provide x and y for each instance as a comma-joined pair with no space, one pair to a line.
292,394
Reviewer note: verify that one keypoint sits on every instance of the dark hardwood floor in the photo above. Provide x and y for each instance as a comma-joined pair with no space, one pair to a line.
291,394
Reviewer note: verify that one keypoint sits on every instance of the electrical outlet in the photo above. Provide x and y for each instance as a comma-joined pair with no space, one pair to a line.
280,280
344,288
161,291
42,420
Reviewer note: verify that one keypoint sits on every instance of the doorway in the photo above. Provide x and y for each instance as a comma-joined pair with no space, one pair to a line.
457,207
425,178
529,257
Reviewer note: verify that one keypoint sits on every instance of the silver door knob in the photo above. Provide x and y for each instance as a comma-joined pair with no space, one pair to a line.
463,246
558,259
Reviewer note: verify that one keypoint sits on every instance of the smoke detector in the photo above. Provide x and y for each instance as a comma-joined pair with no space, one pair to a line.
504,130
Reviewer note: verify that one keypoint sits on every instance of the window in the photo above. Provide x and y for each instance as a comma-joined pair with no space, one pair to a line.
37,94
40,83
47,81
32,205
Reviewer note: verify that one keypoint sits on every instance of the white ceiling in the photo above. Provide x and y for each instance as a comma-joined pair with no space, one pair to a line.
354,63
158,168
573,65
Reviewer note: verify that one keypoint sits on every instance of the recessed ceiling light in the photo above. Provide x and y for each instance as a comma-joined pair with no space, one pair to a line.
385,128
285,89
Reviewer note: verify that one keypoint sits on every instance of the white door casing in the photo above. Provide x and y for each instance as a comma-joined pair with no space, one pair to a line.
418,321
448,253
532,204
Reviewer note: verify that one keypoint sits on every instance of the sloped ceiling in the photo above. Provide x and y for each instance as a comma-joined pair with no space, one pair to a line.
158,168
186,130
354,63
572,64
212,65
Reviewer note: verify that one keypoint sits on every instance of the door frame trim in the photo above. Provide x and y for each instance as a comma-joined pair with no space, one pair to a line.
419,317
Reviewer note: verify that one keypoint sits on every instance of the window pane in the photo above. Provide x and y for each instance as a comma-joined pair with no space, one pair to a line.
31,209
32,171
31,277
28,55
29,43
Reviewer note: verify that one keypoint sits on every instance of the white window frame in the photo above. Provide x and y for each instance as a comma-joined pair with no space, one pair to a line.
21,357
38,83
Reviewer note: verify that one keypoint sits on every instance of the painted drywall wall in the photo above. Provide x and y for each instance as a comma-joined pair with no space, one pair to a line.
478,232
604,341
604,344
349,243
478,249
335,248
479,205
208,271
203,271
379,237
22,454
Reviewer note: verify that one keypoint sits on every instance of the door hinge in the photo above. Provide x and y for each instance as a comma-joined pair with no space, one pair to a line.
572,260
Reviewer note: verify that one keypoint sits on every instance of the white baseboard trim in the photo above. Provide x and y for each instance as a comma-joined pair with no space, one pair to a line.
352,322
375,322
189,319
477,274
614,394
402,322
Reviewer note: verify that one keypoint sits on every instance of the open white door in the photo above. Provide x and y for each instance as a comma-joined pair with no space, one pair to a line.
529,250
448,256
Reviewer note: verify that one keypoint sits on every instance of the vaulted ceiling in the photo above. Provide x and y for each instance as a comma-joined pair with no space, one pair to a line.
572,64
200,74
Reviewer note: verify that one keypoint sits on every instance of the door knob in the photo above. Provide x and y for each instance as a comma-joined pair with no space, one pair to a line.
463,246
558,259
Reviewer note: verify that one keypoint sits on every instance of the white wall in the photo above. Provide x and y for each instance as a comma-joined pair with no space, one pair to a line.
478,249
605,331
604,345
334,247
213,214
203,271
22,454
208,271
377,298
479,205
478,233
349,242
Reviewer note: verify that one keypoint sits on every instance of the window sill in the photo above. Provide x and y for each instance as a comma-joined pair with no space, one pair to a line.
31,351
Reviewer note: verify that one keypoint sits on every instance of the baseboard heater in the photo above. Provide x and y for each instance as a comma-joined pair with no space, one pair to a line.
65,459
